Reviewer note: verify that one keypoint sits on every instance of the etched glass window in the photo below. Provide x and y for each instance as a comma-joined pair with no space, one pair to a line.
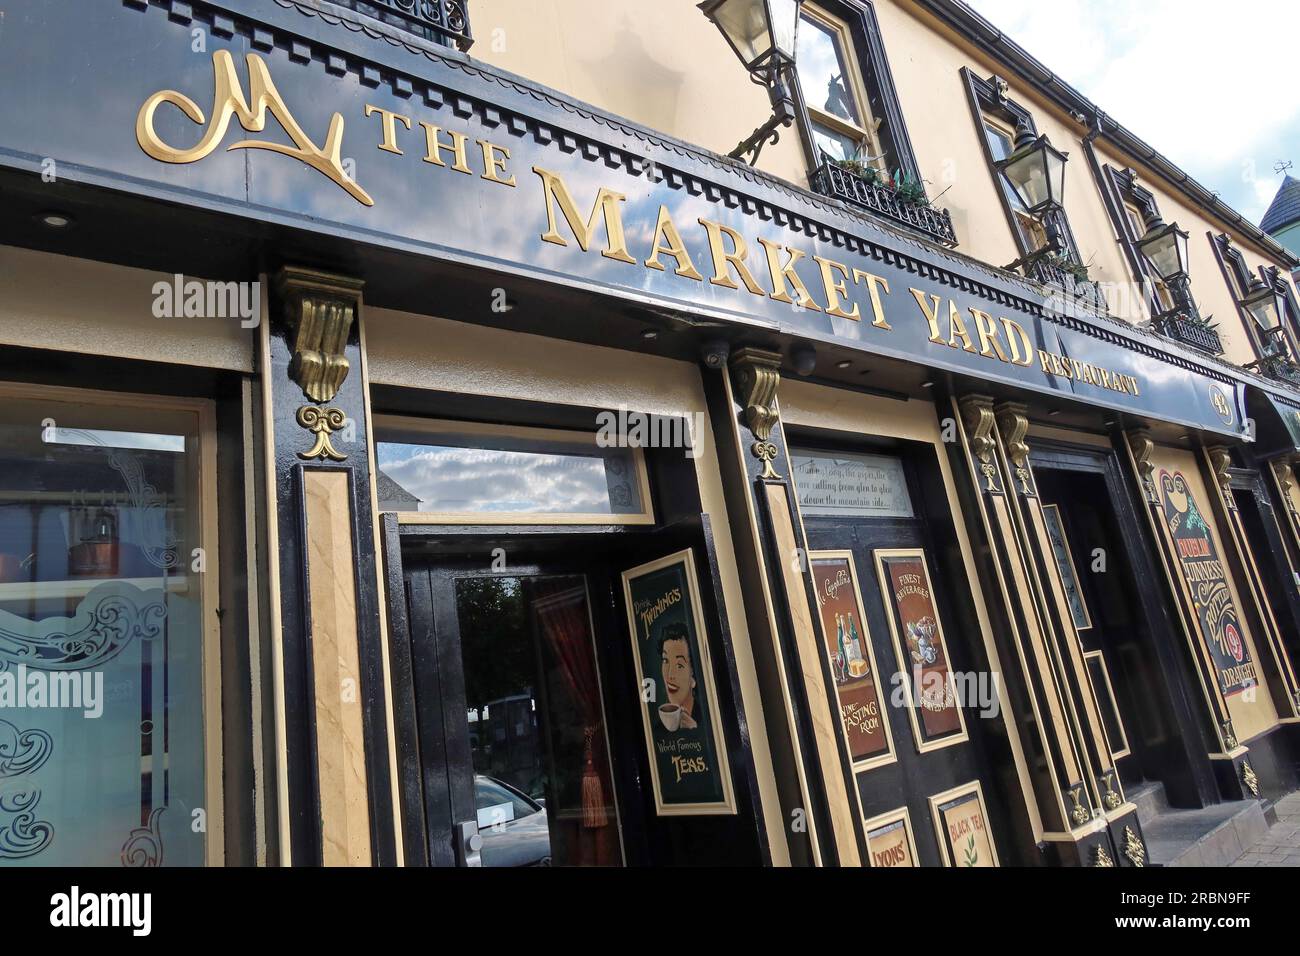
102,635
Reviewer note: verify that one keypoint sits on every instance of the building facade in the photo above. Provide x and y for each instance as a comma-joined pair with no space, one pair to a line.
422,446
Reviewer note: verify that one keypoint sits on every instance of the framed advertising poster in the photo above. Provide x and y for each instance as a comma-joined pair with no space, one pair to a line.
852,661
919,644
679,707
1065,564
889,839
961,822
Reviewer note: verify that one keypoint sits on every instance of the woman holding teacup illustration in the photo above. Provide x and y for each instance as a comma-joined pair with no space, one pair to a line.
678,671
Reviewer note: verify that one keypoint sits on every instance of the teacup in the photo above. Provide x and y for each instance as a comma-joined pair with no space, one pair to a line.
670,715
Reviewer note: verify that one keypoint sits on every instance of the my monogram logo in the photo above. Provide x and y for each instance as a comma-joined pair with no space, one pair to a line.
228,102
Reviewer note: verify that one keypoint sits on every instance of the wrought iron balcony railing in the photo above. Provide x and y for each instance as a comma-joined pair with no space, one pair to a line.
1198,335
840,183
1276,362
442,21
1053,273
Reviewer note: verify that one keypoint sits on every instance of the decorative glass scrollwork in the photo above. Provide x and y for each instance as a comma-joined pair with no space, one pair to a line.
22,835
22,751
111,617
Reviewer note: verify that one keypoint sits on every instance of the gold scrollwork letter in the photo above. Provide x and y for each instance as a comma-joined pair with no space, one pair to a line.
228,103
1013,423
757,375
977,417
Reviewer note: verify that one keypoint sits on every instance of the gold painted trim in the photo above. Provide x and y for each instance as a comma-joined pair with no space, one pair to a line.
1123,751
1074,571
727,807
899,814
889,756
948,795
645,516
879,556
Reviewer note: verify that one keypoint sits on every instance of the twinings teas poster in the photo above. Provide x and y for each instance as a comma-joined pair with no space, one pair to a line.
906,584
889,845
678,705
966,831
852,662
1206,577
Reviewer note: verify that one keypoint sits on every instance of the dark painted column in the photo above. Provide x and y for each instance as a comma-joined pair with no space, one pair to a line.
333,785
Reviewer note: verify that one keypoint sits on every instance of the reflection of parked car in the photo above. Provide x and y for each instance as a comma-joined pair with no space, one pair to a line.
514,827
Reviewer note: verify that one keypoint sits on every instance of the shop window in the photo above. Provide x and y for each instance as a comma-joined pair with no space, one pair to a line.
107,631
434,471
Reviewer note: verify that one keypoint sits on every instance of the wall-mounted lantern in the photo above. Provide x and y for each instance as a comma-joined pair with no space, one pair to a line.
1266,305
1035,171
1165,248
762,34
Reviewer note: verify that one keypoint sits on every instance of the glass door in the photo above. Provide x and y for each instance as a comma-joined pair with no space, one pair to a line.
513,739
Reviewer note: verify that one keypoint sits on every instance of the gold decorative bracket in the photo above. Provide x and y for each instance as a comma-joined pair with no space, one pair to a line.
757,374
1285,475
319,310
978,419
1109,798
1220,460
1134,848
1013,424
1142,446
1080,812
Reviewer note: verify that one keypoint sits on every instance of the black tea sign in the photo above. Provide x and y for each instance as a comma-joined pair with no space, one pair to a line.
679,708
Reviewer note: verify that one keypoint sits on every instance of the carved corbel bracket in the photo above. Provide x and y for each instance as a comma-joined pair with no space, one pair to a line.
1220,457
1284,471
1142,446
1013,424
978,419
757,373
319,310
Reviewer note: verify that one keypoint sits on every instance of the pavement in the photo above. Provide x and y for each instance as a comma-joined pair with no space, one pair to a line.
1280,845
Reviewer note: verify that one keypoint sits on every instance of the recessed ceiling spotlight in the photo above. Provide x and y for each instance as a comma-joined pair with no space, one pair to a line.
1053,412
845,363
55,220
649,335
927,384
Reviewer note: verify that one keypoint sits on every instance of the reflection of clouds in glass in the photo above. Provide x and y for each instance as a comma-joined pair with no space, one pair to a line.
480,479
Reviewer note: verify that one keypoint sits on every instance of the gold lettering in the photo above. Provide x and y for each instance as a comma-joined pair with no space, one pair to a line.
782,274
835,279
667,229
736,259
493,164
874,285
557,193
434,148
990,344
1045,359
957,328
1022,352
388,122
931,313
228,102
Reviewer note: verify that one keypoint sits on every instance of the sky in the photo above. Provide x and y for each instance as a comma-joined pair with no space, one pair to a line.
1213,86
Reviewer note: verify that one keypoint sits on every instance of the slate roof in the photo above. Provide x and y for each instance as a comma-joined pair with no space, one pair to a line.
1285,209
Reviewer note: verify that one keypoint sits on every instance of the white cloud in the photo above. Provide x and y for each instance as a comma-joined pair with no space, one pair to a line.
1208,85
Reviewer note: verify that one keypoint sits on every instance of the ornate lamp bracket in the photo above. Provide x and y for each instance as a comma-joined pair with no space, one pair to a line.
1013,424
977,416
319,311
757,374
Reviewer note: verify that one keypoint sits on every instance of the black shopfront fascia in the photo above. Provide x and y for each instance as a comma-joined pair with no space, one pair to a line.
410,212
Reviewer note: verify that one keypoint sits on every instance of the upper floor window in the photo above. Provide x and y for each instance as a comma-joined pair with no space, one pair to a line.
839,110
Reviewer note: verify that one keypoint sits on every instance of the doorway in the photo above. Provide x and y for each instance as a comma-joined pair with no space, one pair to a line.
1118,607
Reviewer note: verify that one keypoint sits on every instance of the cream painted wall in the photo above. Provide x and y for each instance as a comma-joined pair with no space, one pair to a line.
662,64
79,305
417,351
